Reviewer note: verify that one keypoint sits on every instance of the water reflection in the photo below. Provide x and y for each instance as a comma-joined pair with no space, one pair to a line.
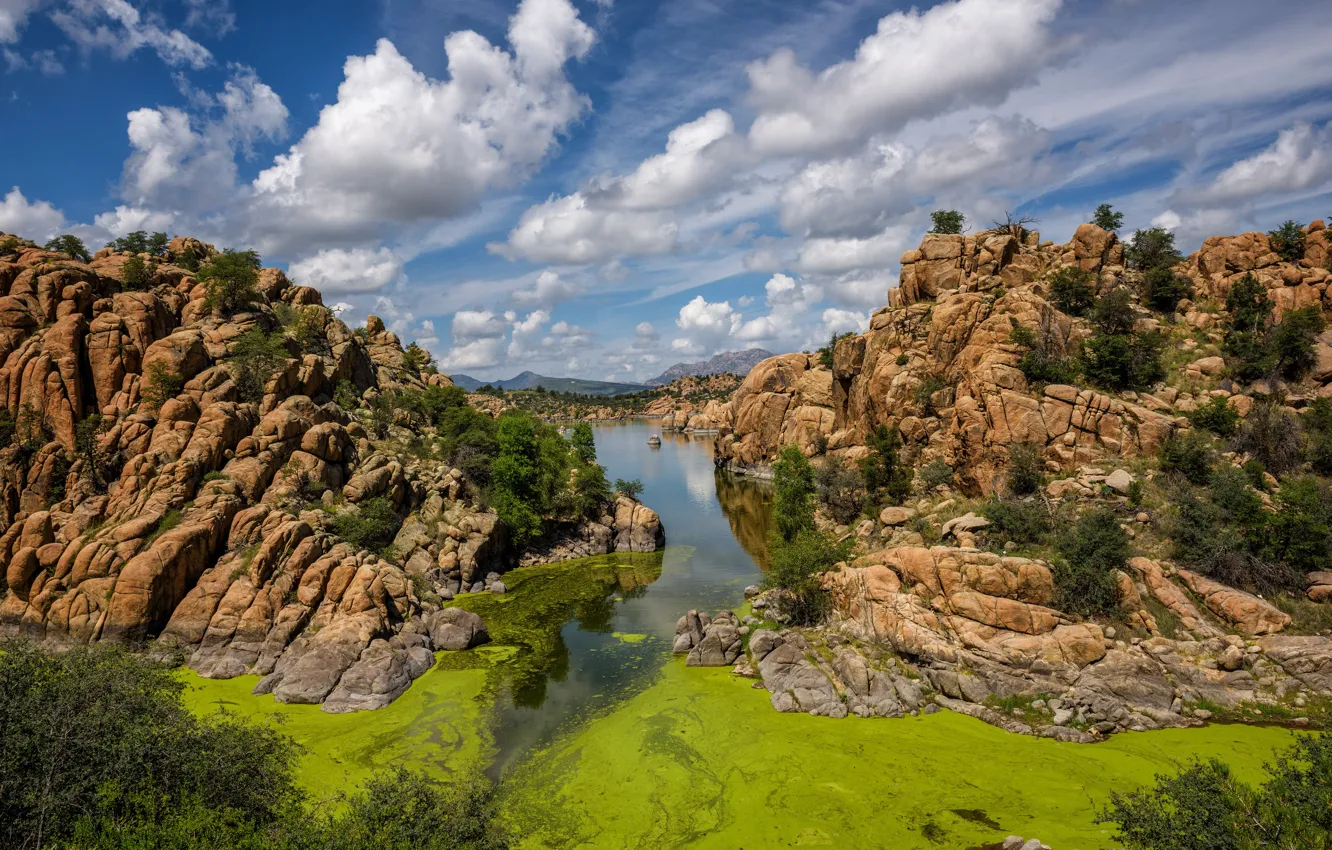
591,633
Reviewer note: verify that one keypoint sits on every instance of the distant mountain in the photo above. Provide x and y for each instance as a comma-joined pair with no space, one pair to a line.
735,362
531,380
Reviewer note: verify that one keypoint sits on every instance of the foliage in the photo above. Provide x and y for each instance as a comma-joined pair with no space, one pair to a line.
160,385
795,565
583,442
887,478
1291,343
1190,454
1216,415
87,446
1114,314
417,358
9,247
137,275
794,482
254,357
514,475
1039,363
1164,288
841,490
304,325
632,488
1127,362
1318,431
31,428
1152,247
70,245
1024,522
1089,553
947,221
1026,468
231,279
1272,435
826,352
1288,241
1249,310
8,428
139,242
372,525
936,473
1205,807
591,491
1106,218
1073,290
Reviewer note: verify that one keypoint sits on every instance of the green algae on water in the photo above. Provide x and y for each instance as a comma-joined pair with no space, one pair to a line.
701,760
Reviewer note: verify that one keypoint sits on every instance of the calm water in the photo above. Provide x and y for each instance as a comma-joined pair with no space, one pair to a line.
716,525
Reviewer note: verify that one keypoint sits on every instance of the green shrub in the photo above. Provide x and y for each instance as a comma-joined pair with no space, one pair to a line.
1089,554
947,221
887,478
1165,289
591,491
1216,415
1106,218
1152,247
1024,523
372,525
1190,454
936,473
253,358
1114,314
1206,807
1318,431
1127,362
136,274
10,247
925,390
1292,342
1040,363
1271,434
71,246
795,565
1249,309
1288,241
633,489
1026,468
841,490
231,279
417,358
159,385
1073,290
584,442
794,486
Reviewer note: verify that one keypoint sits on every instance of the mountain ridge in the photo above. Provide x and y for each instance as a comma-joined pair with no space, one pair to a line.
528,380
736,362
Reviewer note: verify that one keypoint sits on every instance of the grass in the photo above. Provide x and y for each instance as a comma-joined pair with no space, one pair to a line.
1306,617
169,520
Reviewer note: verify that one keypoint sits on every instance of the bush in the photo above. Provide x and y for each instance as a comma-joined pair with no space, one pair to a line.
10,247
1024,523
632,489
1292,342
1129,362
795,565
97,466
1089,554
231,279
1039,363
1073,290
793,481
1271,434
1165,289
841,490
947,221
371,526
1205,807
159,385
924,393
1299,534
1217,416
584,442
1106,218
1114,314
254,357
936,473
1190,454
1026,469
1288,241
1318,431
886,477
1249,310
71,246
591,491
827,352
1152,247
136,274
417,358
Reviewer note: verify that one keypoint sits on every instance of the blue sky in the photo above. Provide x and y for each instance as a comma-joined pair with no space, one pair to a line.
602,188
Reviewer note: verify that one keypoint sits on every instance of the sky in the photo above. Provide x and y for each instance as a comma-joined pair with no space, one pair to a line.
602,188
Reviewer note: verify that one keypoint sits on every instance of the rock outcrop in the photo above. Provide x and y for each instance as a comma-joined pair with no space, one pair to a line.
151,489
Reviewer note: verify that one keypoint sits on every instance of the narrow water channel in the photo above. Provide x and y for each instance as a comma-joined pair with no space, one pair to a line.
716,527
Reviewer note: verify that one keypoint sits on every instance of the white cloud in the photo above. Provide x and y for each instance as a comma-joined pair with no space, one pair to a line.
12,15
568,230
548,290
45,62
705,325
917,65
841,321
126,219
215,16
469,325
700,156
36,220
1299,159
119,28
352,270
840,255
398,146
1168,220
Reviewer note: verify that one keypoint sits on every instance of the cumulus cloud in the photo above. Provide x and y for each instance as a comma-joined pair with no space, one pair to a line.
126,219
546,291
917,65
569,230
704,325
339,270
699,157
1299,159
45,62
36,220
841,255
13,13
789,304
119,28
398,146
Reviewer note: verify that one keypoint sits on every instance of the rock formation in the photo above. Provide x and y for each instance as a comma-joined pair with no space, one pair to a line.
210,535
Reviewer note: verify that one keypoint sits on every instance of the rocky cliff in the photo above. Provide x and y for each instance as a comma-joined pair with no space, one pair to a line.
145,498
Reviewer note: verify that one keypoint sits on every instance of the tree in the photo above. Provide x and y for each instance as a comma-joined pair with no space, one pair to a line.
841,490
371,525
795,566
231,279
70,245
417,358
1205,807
1124,361
1090,553
1292,342
136,274
159,385
1245,343
1106,218
1026,469
1288,241
514,476
131,243
89,449
254,357
793,480
631,489
1015,227
158,244
584,443
1114,314
1073,290
886,477
1041,361
1165,289
1152,247
947,221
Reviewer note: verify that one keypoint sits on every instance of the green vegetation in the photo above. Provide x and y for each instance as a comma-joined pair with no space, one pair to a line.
98,466
136,274
887,477
1024,522
798,552
70,245
97,749
1206,807
841,490
1107,218
826,352
1026,469
253,358
1073,290
1041,363
10,247
947,221
794,485
159,385
1152,248
1117,357
1164,288
1257,348
936,473
1216,415
1288,241
633,488
231,279
1089,554
139,242
370,525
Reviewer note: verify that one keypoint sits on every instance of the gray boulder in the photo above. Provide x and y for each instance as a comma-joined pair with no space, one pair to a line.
454,629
